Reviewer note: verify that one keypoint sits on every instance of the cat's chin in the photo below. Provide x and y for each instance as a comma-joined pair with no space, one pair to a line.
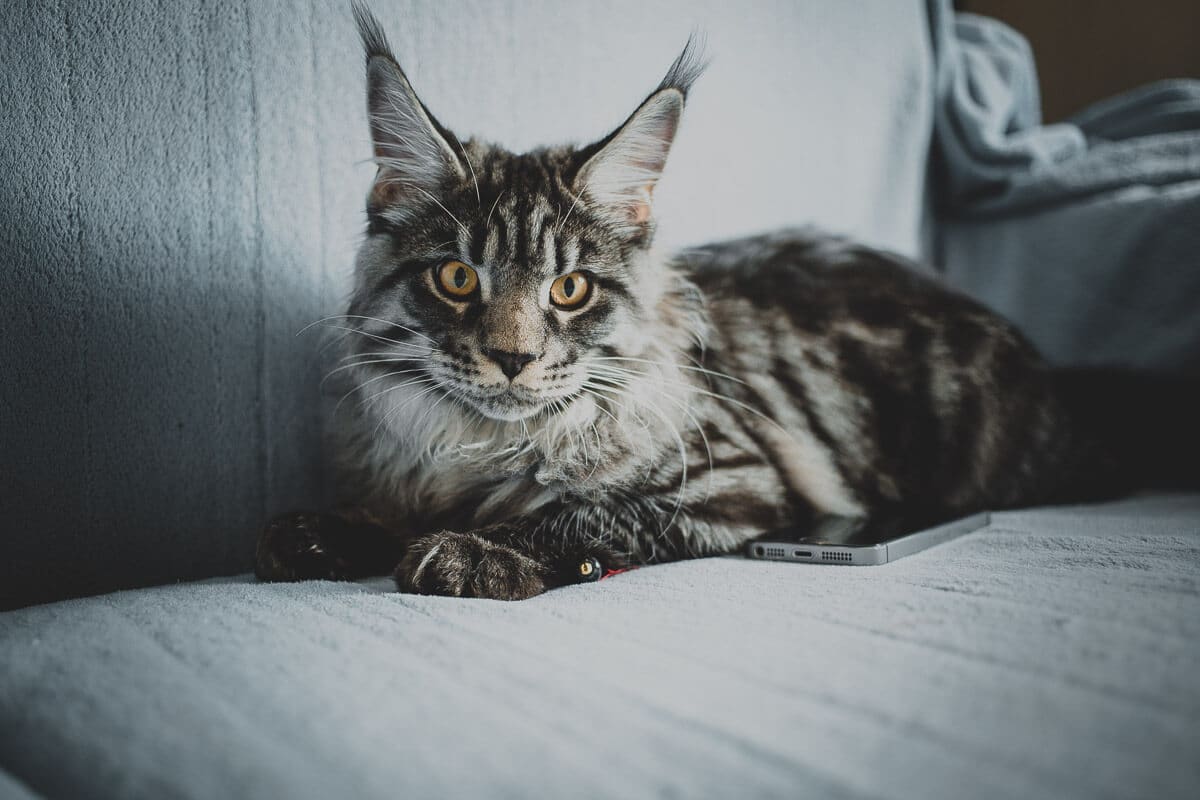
506,408
509,414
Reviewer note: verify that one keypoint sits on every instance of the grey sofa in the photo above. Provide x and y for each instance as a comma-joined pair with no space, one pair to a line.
182,193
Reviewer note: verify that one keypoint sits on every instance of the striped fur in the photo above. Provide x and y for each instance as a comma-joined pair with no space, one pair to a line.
693,401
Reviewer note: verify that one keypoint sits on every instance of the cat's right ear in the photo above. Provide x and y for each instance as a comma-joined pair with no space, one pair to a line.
621,170
412,150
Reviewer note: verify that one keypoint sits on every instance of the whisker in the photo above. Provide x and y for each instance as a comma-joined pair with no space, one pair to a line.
401,360
558,230
332,317
495,203
600,405
380,393
412,399
384,354
697,390
686,409
457,221
704,370
428,411
379,338
369,381
471,167
683,467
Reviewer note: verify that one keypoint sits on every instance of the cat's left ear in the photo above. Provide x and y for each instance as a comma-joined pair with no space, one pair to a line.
621,170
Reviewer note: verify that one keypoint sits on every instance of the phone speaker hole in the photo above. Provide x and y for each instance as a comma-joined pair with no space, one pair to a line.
834,555
774,552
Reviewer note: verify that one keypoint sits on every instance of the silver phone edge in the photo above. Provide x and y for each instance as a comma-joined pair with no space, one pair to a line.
875,554
931,537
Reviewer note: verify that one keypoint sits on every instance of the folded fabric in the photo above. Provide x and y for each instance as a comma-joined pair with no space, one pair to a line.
1084,233
996,157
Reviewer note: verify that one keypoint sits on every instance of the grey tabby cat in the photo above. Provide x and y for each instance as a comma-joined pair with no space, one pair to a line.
537,388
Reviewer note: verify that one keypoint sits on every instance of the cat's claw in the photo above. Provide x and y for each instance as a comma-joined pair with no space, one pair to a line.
467,565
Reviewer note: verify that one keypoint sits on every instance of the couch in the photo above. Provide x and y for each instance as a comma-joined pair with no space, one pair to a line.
182,192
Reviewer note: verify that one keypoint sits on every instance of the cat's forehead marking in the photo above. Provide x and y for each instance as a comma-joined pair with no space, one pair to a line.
522,237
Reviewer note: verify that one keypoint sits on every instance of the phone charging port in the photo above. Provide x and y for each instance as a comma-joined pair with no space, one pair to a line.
802,554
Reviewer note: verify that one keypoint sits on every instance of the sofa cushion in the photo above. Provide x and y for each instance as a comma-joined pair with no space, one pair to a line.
1051,654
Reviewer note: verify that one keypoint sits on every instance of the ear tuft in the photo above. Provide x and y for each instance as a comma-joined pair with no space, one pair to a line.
687,67
412,150
375,41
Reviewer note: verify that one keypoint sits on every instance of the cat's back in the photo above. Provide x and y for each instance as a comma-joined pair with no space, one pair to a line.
809,293
919,395
818,278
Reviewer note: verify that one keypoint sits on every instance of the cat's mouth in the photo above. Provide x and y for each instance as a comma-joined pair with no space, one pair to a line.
508,403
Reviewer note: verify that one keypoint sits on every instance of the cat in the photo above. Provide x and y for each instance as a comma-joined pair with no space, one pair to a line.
534,386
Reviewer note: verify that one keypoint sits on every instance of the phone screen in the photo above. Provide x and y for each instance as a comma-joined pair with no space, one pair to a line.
843,531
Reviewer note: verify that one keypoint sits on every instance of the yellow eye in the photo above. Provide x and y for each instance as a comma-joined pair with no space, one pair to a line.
457,279
570,290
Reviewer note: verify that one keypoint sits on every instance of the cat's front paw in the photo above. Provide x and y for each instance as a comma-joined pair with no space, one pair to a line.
466,565
293,547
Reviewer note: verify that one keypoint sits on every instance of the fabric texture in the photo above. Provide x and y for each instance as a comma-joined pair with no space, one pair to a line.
183,188
1051,654
1084,233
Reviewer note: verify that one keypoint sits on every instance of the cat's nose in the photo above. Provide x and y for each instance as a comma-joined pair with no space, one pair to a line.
510,363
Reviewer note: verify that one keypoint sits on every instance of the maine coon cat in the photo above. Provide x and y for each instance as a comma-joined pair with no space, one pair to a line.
533,385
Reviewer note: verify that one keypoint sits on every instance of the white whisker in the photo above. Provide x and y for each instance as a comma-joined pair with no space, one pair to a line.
495,203
369,381
471,167
449,213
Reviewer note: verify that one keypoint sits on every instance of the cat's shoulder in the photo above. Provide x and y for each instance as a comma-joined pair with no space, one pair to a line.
799,266
796,249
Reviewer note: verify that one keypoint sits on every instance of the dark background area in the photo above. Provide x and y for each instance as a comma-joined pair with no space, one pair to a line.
1088,50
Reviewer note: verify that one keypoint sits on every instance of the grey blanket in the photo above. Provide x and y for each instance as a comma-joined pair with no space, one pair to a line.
1053,654
1085,233
998,157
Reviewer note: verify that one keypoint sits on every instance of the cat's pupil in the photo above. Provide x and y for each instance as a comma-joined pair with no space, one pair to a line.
460,277
569,287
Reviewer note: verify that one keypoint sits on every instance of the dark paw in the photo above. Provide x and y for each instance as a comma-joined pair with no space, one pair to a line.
293,547
466,565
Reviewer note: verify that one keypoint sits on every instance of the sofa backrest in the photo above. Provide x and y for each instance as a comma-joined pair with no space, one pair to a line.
182,192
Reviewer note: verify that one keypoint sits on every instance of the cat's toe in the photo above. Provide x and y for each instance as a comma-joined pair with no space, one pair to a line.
466,565
291,548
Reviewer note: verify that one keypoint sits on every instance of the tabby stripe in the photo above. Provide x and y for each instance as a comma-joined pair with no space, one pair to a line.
800,399
796,502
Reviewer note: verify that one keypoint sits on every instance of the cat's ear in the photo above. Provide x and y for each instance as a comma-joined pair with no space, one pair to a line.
412,150
622,169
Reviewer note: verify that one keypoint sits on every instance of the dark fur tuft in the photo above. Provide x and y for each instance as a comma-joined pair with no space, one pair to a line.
690,64
375,41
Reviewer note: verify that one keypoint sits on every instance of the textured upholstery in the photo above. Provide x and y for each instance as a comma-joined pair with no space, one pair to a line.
1051,655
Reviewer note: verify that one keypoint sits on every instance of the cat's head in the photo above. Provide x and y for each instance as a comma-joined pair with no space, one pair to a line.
500,279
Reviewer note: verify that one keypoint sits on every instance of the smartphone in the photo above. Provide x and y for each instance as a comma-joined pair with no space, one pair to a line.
854,541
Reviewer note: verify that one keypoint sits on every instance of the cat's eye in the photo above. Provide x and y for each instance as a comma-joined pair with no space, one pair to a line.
570,290
457,279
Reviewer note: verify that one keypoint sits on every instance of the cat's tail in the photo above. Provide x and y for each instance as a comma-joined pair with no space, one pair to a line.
1143,428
